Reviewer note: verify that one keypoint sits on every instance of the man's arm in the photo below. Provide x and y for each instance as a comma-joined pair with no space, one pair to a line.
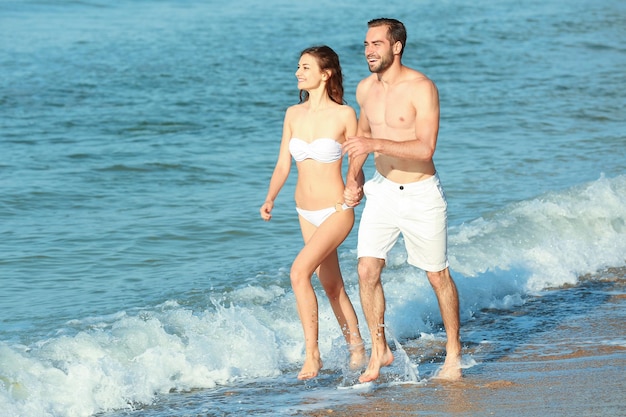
355,167
355,178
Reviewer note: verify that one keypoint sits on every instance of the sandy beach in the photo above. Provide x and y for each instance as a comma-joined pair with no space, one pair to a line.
574,369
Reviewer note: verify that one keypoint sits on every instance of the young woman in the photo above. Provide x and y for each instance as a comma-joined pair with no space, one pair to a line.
313,132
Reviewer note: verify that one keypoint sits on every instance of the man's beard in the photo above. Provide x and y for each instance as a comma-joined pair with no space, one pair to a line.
384,63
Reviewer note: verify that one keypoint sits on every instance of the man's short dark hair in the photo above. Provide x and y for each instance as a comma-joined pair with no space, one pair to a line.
396,33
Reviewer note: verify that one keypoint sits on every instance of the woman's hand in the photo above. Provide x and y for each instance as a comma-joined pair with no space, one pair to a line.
266,210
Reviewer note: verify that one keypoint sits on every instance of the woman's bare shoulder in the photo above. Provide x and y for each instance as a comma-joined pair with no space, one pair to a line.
347,109
293,110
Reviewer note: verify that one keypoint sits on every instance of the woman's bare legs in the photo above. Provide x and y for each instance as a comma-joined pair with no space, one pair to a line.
329,274
319,253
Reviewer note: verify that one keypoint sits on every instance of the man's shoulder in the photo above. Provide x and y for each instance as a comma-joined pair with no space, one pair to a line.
364,86
417,84
417,78
367,81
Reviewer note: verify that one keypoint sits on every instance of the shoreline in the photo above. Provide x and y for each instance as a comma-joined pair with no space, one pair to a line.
574,368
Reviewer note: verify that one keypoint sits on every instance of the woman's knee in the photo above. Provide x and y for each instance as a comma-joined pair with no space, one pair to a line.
330,277
334,290
299,275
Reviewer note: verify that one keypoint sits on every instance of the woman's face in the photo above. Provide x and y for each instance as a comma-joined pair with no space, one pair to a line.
309,73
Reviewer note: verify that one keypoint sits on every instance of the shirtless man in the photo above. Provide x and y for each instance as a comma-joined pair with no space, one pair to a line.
399,123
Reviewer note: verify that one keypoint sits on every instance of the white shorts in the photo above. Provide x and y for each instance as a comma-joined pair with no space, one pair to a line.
418,210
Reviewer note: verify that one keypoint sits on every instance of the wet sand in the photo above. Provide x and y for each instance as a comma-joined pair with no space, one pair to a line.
576,368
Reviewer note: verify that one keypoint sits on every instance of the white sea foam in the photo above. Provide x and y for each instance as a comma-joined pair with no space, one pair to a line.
253,332
549,241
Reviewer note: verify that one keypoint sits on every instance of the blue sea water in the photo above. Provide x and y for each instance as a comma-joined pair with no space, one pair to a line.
137,141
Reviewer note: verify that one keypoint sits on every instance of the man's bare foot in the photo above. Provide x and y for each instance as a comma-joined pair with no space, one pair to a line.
376,362
310,369
358,356
451,370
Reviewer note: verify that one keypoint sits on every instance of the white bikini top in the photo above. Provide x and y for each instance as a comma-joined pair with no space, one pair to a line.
324,150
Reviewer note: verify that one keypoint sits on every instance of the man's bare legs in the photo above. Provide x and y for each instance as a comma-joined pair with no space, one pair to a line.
448,299
373,303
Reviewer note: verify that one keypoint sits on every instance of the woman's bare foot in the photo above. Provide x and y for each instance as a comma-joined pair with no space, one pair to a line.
376,362
358,356
310,369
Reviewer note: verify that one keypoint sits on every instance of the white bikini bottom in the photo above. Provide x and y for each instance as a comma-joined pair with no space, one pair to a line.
317,217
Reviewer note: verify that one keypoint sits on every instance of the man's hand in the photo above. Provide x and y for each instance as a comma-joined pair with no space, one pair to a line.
356,146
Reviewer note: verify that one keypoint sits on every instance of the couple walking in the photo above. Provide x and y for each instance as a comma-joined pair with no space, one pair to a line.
398,123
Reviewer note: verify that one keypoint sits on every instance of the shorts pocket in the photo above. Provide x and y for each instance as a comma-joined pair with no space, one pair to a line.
368,188
442,195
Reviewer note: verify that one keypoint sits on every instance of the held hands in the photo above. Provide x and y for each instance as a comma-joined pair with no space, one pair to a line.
352,194
266,210
355,146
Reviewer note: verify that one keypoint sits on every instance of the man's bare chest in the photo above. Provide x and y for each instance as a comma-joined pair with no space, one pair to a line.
390,110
